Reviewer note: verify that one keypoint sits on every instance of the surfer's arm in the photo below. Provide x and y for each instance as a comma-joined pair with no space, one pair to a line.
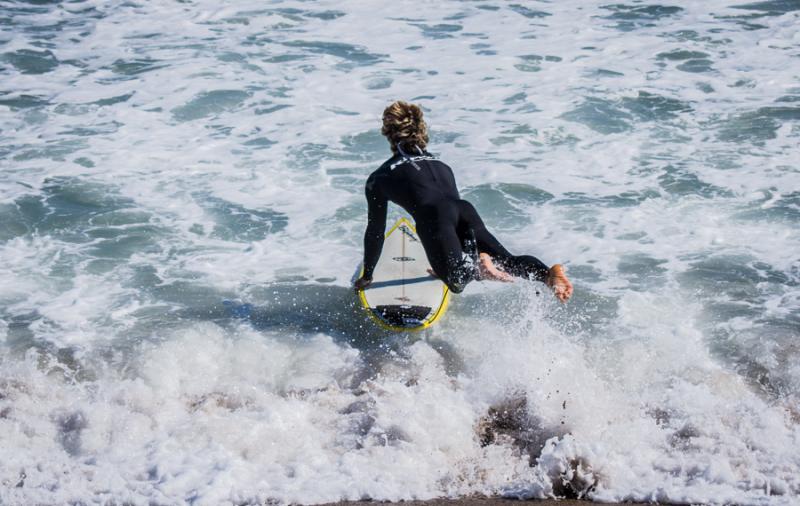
376,227
452,181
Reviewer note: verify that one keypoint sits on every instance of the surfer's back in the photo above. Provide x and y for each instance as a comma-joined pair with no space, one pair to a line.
414,182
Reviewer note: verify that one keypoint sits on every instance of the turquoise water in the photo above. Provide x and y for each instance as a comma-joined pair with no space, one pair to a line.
160,158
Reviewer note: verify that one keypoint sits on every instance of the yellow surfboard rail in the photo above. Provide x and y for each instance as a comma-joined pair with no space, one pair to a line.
377,319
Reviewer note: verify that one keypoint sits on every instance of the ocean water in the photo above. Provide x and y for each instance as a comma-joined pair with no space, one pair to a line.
160,158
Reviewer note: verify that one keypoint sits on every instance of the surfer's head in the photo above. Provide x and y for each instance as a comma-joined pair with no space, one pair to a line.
403,124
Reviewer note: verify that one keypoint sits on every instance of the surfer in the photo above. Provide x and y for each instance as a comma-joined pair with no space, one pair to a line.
459,247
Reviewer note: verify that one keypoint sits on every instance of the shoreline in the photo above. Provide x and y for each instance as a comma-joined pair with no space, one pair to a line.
484,501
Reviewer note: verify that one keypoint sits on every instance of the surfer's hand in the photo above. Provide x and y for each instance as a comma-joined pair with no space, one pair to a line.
558,281
362,283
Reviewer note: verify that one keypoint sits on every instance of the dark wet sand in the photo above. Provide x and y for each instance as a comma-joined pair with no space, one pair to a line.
481,501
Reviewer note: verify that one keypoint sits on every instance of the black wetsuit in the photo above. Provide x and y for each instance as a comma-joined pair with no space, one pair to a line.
450,229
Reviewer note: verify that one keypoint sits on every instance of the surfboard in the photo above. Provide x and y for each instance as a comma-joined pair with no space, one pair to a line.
403,295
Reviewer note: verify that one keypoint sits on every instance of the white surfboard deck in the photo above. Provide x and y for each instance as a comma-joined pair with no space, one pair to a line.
403,295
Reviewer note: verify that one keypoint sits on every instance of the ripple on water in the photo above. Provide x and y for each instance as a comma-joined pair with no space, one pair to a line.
441,137
295,14
378,83
235,222
681,55
588,202
732,275
339,223
367,146
108,127
80,212
259,143
691,61
528,12
122,242
210,103
113,100
483,49
757,126
609,117
680,182
259,111
603,73
53,150
21,101
695,36
651,107
285,58
773,208
632,17
788,98
355,54
641,271
440,31
601,115
696,66
28,61
770,7
134,67
503,204
534,62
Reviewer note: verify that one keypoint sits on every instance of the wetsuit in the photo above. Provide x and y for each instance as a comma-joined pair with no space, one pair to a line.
450,229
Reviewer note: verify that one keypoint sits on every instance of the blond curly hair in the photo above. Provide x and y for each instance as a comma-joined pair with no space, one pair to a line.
403,125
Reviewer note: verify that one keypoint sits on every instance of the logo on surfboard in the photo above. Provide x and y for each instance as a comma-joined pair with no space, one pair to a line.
404,259
404,229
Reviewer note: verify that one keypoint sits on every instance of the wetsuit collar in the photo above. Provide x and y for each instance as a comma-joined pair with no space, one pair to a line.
400,160
405,158
404,154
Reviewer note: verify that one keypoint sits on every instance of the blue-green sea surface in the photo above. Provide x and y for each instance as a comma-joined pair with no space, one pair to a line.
182,211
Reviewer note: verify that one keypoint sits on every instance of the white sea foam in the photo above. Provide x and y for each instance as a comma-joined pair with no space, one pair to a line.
180,154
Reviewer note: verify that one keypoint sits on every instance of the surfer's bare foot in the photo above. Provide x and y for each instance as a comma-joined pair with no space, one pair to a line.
558,281
433,274
488,270
361,283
